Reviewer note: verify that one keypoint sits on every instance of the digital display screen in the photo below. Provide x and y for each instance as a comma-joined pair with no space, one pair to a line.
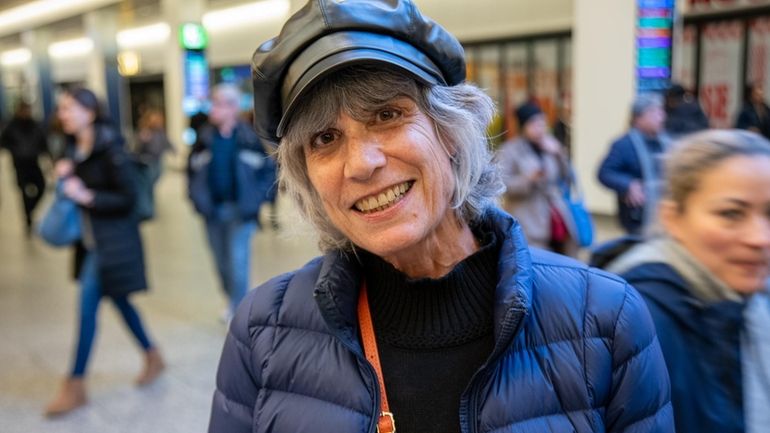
196,82
654,31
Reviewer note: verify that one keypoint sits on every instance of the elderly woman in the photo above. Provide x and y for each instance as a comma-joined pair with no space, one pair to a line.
427,310
704,281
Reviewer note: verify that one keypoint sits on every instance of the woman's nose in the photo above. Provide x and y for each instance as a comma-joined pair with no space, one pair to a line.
363,157
759,234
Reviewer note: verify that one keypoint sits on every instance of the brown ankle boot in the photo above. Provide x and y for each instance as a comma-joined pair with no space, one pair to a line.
153,366
71,396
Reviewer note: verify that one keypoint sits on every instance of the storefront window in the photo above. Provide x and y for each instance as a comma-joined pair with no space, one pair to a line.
684,58
516,84
758,70
721,67
545,69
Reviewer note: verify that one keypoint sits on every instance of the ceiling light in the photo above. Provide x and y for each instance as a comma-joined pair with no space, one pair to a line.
31,14
15,57
154,34
250,13
71,48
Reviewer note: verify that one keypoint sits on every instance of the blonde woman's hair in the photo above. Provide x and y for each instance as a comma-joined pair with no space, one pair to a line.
694,155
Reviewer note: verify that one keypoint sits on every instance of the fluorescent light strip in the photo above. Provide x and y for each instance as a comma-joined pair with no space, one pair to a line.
15,57
71,48
35,13
153,34
250,13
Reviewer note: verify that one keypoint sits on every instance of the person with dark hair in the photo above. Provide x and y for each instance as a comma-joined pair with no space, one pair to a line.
534,168
632,165
428,312
755,113
25,139
96,174
704,276
684,114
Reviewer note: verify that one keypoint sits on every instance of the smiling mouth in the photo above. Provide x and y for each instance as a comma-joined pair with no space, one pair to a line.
383,200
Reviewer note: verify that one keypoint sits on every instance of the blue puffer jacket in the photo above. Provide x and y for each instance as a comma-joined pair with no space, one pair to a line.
575,351
255,172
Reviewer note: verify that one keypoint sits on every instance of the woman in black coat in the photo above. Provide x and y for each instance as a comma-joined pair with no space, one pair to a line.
97,176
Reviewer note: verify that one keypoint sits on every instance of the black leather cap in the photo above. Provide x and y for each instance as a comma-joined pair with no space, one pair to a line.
326,35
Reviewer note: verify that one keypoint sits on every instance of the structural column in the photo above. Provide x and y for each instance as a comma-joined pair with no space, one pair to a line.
604,54
37,76
103,78
175,13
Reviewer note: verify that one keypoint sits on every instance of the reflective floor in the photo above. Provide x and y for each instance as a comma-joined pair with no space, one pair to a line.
182,310
37,320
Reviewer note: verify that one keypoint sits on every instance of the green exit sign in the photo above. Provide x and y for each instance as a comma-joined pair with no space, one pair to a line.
193,36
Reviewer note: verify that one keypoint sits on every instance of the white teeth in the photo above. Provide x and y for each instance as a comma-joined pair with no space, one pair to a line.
384,199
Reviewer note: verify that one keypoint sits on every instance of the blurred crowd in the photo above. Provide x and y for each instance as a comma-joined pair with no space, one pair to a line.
694,204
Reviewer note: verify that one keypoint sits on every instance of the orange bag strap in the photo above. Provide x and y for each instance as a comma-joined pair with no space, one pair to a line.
386,423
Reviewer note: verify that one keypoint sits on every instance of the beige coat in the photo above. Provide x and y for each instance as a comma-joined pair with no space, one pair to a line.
529,201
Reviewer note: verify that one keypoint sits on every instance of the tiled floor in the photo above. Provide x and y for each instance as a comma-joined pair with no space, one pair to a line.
37,321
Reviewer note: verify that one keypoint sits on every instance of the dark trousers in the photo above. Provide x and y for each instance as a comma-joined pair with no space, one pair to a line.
31,183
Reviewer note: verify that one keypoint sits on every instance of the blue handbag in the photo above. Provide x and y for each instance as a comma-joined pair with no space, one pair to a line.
584,224
60,225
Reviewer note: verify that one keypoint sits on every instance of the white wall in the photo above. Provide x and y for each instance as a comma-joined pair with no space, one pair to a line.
490,19
604,83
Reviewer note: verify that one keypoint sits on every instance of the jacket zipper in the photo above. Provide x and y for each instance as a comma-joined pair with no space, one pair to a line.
361,360
483,372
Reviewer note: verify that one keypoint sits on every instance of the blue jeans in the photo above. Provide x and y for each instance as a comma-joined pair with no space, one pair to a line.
90,295
230,241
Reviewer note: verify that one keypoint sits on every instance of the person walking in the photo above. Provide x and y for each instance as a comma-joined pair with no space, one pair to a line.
25,140
229,176
97,176
535,168
428,312
632,169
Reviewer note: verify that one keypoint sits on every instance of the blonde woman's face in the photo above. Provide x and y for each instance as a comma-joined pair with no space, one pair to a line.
725,222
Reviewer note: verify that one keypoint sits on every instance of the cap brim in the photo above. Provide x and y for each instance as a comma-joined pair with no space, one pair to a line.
344,49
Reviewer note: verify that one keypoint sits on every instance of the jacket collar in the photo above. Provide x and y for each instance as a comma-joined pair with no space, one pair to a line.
337,286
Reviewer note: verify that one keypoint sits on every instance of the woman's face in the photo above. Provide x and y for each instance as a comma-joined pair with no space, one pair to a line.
536,128
725,222
74,117
386,182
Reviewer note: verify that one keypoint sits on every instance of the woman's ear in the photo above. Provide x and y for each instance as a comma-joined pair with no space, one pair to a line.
670,216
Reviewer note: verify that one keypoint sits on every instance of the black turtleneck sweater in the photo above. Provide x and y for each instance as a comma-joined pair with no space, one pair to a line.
432,335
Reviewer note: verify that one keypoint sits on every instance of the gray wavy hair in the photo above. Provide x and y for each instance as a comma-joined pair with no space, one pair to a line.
459,113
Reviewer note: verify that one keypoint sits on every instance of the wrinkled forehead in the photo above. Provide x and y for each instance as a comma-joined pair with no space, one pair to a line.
355,92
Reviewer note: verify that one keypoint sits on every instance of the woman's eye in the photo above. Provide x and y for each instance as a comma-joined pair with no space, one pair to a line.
388,114
323,139
731,214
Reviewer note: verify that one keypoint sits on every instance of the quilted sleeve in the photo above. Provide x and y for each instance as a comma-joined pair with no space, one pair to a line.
237,380
640,400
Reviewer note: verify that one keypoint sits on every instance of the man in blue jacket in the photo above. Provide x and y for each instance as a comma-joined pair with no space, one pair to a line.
632,166
229,175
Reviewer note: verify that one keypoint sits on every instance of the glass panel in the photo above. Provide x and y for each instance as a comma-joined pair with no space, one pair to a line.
516,91
470,65
721,60
684,58
545,77
488,78
758,70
